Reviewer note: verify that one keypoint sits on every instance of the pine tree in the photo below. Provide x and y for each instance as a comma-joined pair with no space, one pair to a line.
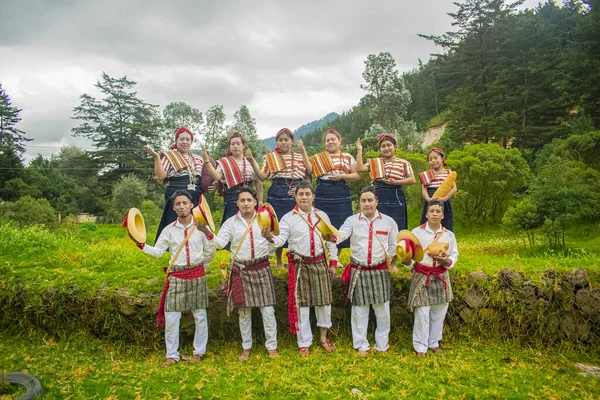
119,125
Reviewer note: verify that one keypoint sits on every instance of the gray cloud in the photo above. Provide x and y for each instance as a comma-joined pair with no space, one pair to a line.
290,61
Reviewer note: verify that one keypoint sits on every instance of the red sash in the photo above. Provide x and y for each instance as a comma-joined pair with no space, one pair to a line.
192,273
346,274
231,171
292,306
425,270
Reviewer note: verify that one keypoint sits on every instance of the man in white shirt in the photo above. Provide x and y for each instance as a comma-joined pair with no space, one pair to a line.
372,240
251,282
309,277
185,287
430,289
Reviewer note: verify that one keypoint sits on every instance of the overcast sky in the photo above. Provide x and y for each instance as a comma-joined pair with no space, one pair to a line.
290,62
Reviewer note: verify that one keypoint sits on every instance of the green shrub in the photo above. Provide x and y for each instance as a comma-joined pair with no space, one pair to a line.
488,177
151,212
88,227
29,211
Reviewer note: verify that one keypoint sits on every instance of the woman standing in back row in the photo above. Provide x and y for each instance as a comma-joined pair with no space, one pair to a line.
286,170
181,169
389,174
333,170
431,180
234,172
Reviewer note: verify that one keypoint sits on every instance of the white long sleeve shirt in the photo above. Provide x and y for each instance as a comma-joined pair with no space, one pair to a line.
303,238
367,237
198,250
254,245
426,236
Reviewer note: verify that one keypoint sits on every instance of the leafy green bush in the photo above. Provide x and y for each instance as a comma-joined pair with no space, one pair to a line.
488,177
151,212
29,211
565,190
129,191
88,227
521,220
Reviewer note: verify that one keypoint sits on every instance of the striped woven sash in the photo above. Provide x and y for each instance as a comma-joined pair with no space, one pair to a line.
176,159
426,177
275,162
321,163
231,171
376,169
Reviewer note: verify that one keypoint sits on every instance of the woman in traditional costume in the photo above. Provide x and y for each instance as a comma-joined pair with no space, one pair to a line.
389,174
333,170
234,171
432,180
286,169
181,169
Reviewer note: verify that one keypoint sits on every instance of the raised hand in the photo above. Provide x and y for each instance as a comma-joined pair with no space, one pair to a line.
150,151
249,154
359,146
205,156
301,148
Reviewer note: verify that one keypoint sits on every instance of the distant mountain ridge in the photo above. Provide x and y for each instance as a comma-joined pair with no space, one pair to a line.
304,129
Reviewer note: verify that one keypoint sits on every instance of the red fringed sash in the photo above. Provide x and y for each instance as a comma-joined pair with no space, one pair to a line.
236,287
292,306
193,273
231,171
425,270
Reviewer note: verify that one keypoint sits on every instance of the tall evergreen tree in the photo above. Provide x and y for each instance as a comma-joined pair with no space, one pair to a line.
12,140
119,125
214,129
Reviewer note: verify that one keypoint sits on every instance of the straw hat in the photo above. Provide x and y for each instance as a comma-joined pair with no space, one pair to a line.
202,213
136,225
325,226
409,246
266,216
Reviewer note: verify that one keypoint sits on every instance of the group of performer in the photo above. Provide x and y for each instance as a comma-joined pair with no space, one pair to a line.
371,234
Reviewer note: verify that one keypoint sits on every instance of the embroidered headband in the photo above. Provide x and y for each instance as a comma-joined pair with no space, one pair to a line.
336,133
285,130
179,131
387,136
441,153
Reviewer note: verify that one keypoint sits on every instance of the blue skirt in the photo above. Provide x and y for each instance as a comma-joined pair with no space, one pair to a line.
178,183
448,221
392,203
278,197
333,198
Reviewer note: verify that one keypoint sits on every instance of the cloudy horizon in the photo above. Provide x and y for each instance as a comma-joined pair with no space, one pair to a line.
289,62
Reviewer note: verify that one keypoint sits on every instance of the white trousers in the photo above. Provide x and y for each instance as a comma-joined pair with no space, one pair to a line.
304,334
269,324
360,323
429,323
172,319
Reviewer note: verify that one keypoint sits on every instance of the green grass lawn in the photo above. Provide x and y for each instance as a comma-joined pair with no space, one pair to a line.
106,257
85,368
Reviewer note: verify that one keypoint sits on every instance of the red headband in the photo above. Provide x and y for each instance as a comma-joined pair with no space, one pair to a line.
285,130
179,131
388,137
441,153
336,133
